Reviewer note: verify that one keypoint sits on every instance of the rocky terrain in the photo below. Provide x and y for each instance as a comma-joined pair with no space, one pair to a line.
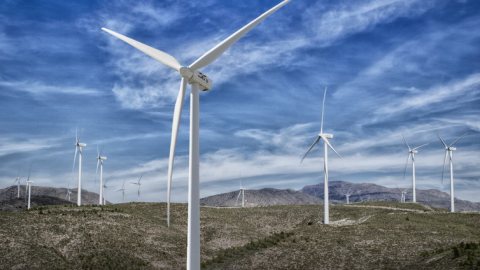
35,201
368,235
10,193
262,197
373,192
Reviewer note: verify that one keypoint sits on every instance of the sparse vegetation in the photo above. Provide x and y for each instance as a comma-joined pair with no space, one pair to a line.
135,236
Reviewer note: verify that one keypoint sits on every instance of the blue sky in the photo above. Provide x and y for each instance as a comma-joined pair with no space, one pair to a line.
391,67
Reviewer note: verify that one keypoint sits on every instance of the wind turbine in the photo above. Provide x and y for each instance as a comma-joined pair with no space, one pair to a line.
198,81
105,193
138,184
68,192
347,195
100,160
325,138
242,191
18,180
122,190
404,193
412,152
29,186
78,147
449,152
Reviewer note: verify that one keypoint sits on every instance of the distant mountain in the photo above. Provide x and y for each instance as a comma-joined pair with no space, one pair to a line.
11,193
373,192
266,196
35,201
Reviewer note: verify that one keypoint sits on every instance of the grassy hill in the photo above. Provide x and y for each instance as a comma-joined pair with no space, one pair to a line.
369,235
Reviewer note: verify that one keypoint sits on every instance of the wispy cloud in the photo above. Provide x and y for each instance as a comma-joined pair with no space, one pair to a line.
23,144
37,88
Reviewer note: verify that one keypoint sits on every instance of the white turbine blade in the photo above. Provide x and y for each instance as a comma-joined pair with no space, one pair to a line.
74,159
442,140
218,50
236,202
98,162
420,146
323,109
29,171
138,179
398,188
158,55
458,139
314,143
123,186
406,164
76,135
328,143
406,142
349,190
444,161
173,143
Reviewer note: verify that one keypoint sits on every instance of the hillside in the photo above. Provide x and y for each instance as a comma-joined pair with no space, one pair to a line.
35,201
373,192
88,197
262,197
370,235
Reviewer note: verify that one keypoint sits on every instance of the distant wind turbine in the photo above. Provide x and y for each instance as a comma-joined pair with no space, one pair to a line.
78,147
100,160
347,195
449,152
412,152
105,193
18,180
404,193
29,185
123,190
242,191
325,138
67,196
138,185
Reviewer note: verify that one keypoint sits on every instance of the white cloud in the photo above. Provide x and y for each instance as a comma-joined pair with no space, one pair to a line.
37,88
21,145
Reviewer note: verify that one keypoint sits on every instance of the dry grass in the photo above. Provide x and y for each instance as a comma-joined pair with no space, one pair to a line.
135,236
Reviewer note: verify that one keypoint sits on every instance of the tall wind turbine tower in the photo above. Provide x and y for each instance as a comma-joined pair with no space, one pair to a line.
198,81
29,186
449,152
412,152
100,160
325,138
78,148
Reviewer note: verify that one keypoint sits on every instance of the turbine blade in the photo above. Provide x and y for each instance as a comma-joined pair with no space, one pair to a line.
323,108
442,140
98,153
458,139
444,161
348,192
175,125
123,186
76,135
218,50
406,164
158,55
328,143
406,142
138,179
29,171
420,146
74,159
314,143
98,162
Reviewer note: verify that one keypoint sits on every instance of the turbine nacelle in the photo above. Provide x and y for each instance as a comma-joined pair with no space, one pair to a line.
80,144
196,77
101,158
451,148
413,151
30,182
326,136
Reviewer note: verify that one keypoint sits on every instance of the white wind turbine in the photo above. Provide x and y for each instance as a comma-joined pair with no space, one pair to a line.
325,138
100,160
242,191
198,81
412,152
105,193
29,186
449,152
18,180
347,195
122,190
78,148
67,196
138,185
404,193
